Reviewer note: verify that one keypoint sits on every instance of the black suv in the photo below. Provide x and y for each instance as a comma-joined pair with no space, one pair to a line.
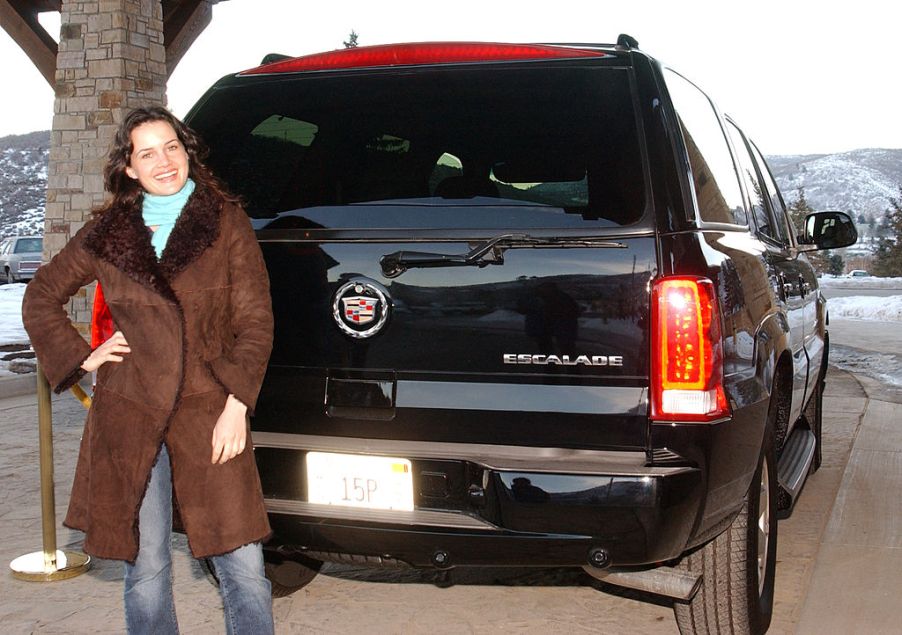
535,305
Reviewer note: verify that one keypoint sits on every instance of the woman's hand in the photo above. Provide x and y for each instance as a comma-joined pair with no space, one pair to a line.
109,351
230,433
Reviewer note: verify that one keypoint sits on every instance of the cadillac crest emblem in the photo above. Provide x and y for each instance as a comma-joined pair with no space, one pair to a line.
361,307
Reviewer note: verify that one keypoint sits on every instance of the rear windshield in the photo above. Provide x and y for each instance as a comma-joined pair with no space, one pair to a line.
523,147
29,245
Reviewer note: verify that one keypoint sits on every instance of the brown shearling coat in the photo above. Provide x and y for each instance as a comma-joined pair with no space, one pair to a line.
199,325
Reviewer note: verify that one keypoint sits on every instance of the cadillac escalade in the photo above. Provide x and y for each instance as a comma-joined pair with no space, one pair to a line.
535,305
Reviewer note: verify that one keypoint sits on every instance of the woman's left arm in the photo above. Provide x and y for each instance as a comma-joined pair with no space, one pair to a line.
241,368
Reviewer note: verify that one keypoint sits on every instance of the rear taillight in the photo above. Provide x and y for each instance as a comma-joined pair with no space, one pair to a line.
422,53
687,355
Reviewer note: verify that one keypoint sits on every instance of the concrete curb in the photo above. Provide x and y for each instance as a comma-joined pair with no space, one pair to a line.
17,385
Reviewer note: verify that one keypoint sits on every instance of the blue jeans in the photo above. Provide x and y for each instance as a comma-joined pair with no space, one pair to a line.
149,604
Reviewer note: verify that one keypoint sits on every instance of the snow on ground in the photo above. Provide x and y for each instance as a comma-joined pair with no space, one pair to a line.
864,282
866,307
11,329
886,368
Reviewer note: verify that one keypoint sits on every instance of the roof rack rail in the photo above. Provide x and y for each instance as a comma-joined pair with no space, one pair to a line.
627,41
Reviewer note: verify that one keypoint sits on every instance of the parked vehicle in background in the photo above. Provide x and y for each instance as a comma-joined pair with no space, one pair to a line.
20,257
858,273
534,305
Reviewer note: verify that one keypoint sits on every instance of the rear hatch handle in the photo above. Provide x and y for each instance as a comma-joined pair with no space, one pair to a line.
488,252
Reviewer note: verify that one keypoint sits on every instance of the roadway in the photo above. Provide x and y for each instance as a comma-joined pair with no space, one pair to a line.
868,348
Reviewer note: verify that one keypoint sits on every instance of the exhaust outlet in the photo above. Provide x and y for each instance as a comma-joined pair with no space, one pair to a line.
667,581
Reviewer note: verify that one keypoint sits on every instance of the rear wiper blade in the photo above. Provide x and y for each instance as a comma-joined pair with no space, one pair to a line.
488,252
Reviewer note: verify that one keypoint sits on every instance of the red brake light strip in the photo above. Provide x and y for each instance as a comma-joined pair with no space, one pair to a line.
422,53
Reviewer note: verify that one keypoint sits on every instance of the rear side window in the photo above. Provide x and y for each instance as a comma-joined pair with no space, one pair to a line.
716,187
756,193
546,146
783,225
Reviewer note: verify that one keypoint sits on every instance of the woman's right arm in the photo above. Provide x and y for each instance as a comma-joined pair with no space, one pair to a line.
59,347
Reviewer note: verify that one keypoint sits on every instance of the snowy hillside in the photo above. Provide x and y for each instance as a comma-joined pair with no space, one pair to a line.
861,180
23,183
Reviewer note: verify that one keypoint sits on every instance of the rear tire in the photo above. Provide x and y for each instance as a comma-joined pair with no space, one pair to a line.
285,576
288,576
737,567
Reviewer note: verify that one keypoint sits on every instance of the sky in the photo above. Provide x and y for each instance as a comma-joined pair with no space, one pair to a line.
800,76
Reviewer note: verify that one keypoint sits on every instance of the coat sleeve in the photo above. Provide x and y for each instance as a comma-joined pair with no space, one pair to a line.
59,347
240,370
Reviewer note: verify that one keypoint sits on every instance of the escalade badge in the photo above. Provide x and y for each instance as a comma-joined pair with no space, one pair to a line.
361,307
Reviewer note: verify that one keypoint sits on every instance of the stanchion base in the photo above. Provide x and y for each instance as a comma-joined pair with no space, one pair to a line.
31,566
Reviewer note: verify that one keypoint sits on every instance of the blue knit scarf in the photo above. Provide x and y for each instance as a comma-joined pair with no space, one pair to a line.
162,212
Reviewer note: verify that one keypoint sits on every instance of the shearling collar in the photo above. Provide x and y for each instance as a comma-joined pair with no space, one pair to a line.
120,238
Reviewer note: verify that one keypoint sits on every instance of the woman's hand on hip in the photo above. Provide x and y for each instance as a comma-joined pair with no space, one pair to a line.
110,351
230,433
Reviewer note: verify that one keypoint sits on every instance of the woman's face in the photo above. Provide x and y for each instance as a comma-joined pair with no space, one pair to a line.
158,161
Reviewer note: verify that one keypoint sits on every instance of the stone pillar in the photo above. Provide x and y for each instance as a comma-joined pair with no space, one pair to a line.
111,59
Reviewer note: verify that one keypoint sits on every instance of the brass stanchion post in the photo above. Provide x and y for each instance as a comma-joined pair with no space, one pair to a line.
49,564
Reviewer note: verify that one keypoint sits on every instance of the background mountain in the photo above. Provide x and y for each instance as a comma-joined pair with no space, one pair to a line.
23,183
860,181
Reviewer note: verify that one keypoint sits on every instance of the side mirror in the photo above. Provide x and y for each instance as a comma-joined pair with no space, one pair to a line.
827,230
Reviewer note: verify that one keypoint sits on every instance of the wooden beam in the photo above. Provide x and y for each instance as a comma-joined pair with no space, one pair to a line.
183,21
40,6
20,21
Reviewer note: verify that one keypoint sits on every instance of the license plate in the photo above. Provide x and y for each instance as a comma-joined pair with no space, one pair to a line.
352,480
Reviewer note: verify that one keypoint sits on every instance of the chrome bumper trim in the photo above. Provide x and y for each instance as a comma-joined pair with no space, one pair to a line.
429,518
510,458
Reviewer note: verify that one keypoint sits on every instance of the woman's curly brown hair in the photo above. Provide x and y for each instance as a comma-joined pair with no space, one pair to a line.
126,191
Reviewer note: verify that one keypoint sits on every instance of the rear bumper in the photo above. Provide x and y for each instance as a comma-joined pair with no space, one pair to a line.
489,504
24,272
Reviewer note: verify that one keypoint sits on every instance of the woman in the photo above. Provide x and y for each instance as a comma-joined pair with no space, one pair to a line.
188,291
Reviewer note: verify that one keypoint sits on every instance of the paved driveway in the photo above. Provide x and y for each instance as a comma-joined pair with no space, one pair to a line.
344,599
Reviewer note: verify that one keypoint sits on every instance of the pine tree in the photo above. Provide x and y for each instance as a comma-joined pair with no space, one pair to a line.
888,255
835,265
352,40
798,209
